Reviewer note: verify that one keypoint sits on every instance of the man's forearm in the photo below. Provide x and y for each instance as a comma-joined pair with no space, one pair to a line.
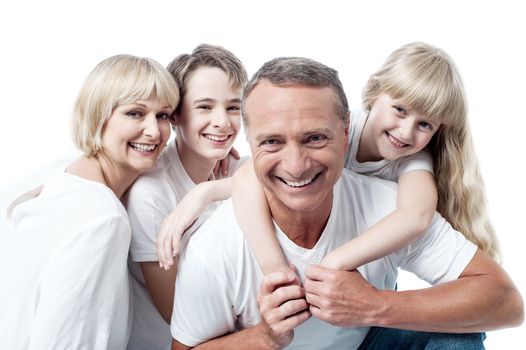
476,302
249,338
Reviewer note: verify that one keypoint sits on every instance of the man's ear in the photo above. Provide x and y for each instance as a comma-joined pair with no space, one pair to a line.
346,128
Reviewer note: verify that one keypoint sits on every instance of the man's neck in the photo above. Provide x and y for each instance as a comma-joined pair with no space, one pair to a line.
303,228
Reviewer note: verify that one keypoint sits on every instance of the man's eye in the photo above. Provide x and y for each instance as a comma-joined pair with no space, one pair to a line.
317,138
269,142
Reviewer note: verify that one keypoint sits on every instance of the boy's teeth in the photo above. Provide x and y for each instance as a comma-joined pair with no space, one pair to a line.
142,147
216,138
300,183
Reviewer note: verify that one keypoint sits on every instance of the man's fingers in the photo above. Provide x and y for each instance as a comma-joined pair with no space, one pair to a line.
291,322
318,273
271,281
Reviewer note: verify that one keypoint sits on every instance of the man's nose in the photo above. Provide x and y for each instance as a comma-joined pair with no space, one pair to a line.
296,161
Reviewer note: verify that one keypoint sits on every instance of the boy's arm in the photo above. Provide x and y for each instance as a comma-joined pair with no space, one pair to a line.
185,213
253,216
416,204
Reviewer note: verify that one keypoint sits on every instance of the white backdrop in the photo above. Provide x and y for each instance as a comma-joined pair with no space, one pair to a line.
49,47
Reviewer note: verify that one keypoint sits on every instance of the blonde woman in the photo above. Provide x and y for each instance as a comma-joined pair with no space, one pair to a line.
72,289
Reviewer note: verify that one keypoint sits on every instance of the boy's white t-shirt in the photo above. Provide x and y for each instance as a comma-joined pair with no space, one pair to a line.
149,201
384,169
64,262
218,278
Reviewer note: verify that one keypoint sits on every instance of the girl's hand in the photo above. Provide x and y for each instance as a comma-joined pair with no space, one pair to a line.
222,165
174,225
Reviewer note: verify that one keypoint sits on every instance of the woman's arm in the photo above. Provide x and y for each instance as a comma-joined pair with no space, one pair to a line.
415,207
253,216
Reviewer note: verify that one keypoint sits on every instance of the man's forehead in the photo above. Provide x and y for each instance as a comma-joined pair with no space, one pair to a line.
267,97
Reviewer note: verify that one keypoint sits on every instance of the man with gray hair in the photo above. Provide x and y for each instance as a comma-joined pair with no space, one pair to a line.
297,116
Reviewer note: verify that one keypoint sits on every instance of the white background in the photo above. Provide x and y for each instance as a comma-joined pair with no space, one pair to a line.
49,47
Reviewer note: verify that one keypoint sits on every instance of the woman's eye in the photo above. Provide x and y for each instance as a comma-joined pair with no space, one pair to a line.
134,114
162,116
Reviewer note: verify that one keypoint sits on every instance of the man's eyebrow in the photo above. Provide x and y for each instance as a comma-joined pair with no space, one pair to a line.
268,136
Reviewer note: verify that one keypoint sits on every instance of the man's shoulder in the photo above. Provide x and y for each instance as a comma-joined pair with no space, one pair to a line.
351,182
216,237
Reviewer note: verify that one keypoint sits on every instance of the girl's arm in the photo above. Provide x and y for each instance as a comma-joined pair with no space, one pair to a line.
253,216
185,213
415,207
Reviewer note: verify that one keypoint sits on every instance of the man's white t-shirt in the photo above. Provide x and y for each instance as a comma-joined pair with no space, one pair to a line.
64,269
384,169
149,201
218,277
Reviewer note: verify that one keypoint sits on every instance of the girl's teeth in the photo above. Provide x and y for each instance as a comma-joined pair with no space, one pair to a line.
395,141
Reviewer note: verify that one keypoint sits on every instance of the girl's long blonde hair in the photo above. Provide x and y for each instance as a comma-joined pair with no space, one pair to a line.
425,78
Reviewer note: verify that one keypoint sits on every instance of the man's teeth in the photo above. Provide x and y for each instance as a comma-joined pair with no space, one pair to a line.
300,183
216,138
142,147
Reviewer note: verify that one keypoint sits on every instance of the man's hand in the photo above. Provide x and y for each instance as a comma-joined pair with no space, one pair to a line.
342,298
282,306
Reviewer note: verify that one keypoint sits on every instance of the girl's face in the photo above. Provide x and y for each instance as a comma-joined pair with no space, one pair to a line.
210,115
396,130
135,134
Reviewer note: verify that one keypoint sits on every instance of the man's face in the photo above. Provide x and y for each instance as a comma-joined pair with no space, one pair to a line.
298,144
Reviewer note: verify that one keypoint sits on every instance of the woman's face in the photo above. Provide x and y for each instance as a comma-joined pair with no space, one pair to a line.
210,114
136,133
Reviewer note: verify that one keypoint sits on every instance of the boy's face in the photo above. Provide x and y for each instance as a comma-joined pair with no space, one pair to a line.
394,130
210,114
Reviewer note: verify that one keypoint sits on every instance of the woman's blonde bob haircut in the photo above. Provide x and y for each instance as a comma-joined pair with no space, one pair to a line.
116,81
426,79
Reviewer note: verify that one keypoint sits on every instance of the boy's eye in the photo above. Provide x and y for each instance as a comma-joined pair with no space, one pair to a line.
233,108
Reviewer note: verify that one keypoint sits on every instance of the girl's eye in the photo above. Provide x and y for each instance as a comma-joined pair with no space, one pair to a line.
233,108
400,109
425,125
205,107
